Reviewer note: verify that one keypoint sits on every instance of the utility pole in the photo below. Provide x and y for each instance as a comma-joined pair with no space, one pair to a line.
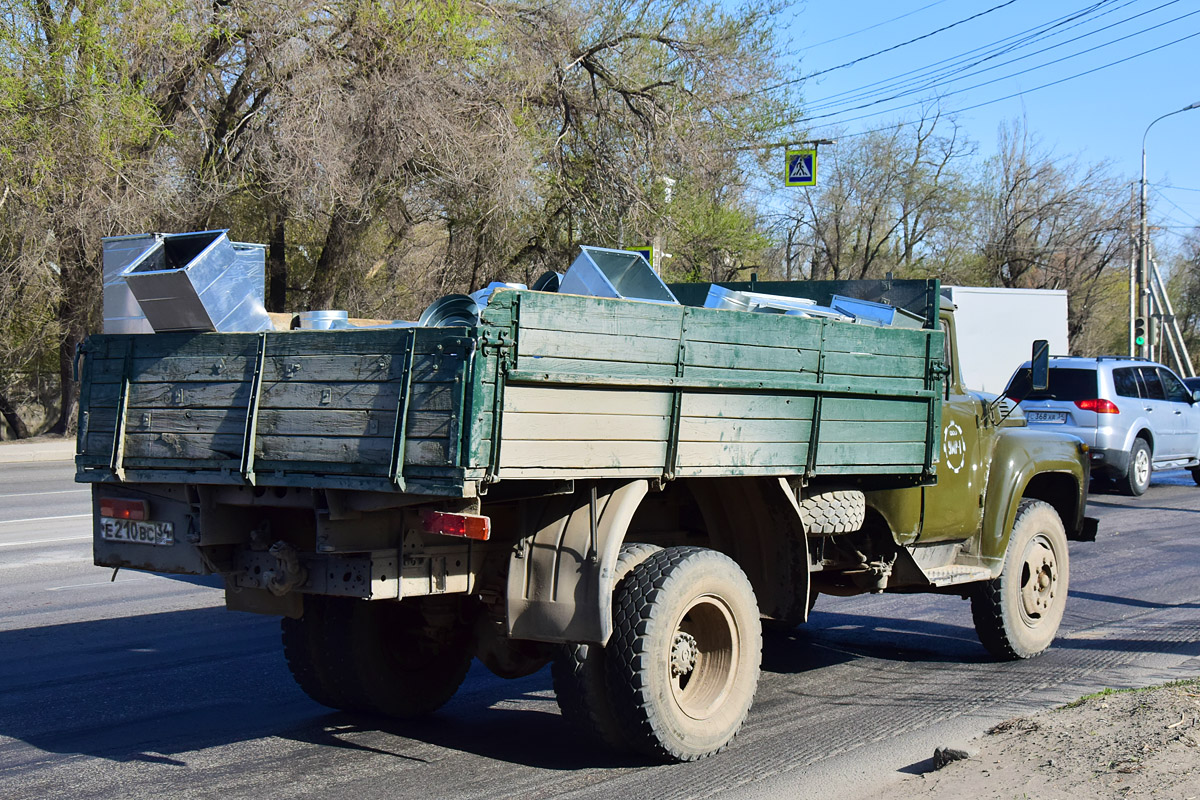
1145,347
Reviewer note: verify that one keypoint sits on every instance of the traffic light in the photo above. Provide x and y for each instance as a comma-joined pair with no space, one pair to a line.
1139,331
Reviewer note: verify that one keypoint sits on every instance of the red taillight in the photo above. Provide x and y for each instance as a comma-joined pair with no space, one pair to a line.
470,526
123,509
1100,406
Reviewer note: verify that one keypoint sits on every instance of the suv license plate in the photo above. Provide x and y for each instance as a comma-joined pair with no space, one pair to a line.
1046,416
137,531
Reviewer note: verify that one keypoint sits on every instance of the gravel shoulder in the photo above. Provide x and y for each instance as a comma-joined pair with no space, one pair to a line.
1139,743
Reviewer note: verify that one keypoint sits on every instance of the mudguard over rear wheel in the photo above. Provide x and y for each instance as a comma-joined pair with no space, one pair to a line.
684,656
579,673
1017,615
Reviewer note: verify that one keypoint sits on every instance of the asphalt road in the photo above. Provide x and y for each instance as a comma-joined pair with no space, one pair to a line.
146,687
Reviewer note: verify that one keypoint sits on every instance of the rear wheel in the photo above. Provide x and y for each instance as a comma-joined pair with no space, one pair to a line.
1196,475
400,659
579,672
1136,480
1017,615
318,652
684,657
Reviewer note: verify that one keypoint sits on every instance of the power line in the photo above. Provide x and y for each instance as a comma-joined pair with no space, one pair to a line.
1014,94
959,75
873,27
859,60
1175,188
1008,76
953,63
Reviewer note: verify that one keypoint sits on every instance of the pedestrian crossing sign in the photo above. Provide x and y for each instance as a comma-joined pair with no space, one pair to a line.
801,168
646,253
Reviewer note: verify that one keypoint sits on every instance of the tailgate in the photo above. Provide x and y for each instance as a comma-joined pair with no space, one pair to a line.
373,409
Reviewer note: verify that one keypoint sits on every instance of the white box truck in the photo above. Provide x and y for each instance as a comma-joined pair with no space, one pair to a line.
996,328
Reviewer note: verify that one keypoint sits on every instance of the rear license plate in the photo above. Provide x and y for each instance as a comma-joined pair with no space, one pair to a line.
1046,416
137,531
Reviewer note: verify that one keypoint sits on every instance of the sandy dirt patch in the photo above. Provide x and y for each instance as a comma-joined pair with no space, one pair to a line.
1142,743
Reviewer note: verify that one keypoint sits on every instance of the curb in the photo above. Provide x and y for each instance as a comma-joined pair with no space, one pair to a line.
27,452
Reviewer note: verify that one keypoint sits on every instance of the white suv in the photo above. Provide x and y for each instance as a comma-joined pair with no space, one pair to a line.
1134,414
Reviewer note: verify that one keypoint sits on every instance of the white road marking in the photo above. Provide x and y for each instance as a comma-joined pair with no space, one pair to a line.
97,583
45,541
39,494
43,519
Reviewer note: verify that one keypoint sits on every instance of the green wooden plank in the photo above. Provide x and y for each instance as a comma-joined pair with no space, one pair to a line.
747,406
198,447
860,386
533,343
852,409
583,427
225,368
750,357
220,394
582,455
830,454
872,431
726,429
343,395
870,365
579,473
743,454
579,366
752,328
600,314
564,399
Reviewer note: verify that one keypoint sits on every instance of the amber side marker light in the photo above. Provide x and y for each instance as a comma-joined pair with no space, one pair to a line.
469,526
123,509
1100,406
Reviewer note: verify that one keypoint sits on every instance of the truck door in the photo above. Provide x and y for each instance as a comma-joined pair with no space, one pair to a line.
953,507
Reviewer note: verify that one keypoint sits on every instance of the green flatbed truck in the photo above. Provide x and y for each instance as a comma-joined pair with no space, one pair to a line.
628,490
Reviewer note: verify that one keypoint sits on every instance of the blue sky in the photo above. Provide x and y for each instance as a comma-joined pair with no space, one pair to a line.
1097,117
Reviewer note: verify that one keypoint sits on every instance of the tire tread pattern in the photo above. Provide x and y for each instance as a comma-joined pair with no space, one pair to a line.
833,511
635,605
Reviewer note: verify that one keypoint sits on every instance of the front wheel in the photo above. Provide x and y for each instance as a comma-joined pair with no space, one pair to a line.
684,656
1196,475
1017,615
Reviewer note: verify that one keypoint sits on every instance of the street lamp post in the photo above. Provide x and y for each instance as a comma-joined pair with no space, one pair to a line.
1145,347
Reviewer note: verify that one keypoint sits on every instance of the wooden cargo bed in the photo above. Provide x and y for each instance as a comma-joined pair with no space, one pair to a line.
548,386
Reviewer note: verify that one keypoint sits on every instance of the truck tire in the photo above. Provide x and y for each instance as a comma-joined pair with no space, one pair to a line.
318,653
579,673
1017,615
684,656
1196,475
833,511
1136,479
407,661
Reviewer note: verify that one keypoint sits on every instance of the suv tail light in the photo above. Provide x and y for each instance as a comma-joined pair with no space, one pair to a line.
1100,406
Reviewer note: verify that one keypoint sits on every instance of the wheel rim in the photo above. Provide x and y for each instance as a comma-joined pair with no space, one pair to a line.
703,657
1039,580
1141,466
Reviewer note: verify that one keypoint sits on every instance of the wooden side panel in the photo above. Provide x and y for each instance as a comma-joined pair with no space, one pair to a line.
328,400
573,354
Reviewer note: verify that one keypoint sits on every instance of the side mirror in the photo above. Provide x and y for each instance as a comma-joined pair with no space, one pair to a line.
1195,396
1039,365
